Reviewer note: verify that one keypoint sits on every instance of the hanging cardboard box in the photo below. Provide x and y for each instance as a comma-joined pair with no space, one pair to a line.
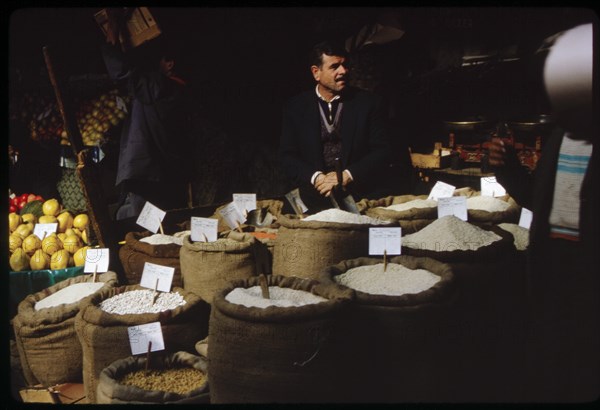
140,26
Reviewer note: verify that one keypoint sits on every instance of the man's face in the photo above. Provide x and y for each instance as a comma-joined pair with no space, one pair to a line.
331,75
166,66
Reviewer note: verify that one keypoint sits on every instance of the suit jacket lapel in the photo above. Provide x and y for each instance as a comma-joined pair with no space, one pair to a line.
312,126
348,128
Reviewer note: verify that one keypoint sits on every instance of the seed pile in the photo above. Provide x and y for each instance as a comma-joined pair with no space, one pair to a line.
448,234
281,297
395,281
487,203
520,234
70,294
177,380
140,301
415,203
337,215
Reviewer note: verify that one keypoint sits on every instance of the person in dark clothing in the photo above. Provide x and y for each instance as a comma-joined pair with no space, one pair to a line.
562,277
333,121
154,146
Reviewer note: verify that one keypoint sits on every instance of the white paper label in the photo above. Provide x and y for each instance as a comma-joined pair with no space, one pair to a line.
454,205
151,217
441,190
121,104
525,218
96,260
140,336
44,230
245,202
491,187
232,215
385,240
203,229
153,273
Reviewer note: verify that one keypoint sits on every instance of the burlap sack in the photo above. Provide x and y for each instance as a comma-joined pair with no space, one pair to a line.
410,220
134,254
207,267
103,336
48,347
273,206
304,248
478,216
111,391
394,342
276,354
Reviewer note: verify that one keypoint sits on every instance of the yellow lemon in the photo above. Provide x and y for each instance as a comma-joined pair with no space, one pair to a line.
31,244
51,207
65,221
72,243
51,244
19,260
79,256
39,260
14,220
59,259
84,237
14,242
47,219
81,221
23,230
29,218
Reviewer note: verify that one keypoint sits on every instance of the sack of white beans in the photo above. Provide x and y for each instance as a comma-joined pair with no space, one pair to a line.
394,327
305,247
101,325
412,212
207,267
137,251
175,378
281,349
44,329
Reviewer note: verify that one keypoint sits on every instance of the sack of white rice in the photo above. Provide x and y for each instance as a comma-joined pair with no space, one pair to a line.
48,347
276,350
393,332
271,206
142,247
491,210
412,212
175,378
306,246
101,325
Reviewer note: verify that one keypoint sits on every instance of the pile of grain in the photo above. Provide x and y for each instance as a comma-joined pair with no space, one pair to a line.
450,233
487,203
415,203
70,294
177,380
160,239
278,296
337,215
140,301
395,281
520,234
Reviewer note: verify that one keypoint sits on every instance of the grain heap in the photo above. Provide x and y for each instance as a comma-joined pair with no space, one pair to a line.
395,281
176,380
337,215
281,297
161,239
414,204
487,203
140,301
520,234
70,294
450,233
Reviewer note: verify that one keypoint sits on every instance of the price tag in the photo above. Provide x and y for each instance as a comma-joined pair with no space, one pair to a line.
150,217
491,187
245,202
121,104
294,199
441,190
525,218
454,205
45,229
96,260
385,240
141,335
232,215
204,229
153,272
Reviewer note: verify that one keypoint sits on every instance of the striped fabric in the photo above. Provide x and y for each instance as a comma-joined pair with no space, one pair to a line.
572,164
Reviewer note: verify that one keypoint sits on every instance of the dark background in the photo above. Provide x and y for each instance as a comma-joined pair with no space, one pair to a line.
243,63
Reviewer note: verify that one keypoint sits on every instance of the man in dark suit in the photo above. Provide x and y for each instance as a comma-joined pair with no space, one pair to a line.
334,121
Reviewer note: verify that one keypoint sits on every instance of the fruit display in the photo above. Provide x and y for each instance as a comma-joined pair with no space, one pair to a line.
59,250
16,203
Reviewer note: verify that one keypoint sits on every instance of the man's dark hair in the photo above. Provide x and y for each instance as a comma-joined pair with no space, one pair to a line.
329,47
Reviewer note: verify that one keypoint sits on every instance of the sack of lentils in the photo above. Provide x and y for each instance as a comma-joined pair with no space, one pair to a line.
142,247
392,333
177,378
101,326
412,212
276,349
207,267
306,246
44,329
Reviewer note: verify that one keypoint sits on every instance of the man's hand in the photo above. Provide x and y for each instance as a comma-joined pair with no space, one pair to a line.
324,183
497,152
